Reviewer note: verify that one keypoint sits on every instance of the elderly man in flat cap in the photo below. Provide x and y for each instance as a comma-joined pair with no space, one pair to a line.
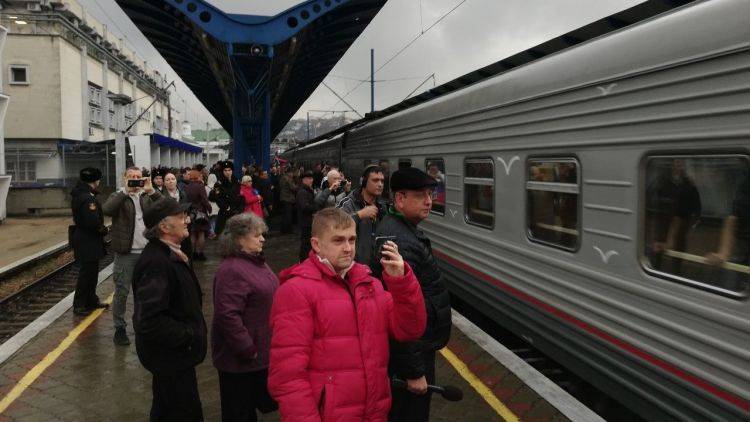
414,362
170,331
87,239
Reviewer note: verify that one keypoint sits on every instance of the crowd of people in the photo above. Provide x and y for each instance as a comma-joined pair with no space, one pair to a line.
366,306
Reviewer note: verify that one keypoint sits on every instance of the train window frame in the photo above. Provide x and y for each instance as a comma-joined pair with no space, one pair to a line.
642,258
559,187
445,182
480,181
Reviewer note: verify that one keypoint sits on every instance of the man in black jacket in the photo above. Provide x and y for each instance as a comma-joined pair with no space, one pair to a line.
305,209
170,332
367,208
87,240
415,362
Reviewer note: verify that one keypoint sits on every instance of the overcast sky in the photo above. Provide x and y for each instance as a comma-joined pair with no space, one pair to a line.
476,33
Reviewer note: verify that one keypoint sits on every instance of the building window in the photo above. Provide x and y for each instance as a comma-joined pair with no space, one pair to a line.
19,74
95,115
404,163
435,168
21,171
95,95
479,192
697,221
552,189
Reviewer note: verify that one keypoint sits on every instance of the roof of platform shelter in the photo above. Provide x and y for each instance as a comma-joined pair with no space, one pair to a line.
206,47
175,143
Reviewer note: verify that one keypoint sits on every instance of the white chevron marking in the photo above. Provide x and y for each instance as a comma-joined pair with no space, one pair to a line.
508,165
606,255
605,90
453,213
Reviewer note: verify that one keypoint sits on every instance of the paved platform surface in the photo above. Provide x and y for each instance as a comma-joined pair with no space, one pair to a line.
21,237
94,380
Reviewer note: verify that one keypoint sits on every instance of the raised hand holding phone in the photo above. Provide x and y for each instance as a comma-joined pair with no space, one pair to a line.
393,263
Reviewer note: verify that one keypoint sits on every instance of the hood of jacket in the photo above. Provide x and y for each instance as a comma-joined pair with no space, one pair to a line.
313,269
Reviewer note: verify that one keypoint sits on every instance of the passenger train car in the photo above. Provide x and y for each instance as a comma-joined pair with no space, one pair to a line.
596,202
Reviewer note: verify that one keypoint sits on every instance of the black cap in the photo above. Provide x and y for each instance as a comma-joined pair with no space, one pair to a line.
158,172
90,175
226,165
411,178
308,174
161,209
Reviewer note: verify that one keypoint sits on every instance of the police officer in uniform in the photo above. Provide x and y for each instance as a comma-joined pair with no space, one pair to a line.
226,194
87,239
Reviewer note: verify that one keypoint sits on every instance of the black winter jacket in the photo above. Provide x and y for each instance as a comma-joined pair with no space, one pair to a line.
226,194
306,207
415,248
170,332
365,228
87,237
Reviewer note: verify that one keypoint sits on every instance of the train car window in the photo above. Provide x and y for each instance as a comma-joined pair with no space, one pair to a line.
435,168
697,221
479,192
552,188
404,163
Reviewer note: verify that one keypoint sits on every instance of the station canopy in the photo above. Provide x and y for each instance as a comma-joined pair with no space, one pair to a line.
279,60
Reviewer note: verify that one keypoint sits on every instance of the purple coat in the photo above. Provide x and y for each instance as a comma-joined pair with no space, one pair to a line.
243,293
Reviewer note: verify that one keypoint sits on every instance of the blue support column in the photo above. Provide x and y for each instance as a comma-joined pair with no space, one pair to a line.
265,149
240,143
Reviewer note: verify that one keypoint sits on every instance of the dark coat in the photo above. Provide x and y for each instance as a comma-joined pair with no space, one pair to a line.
416,250
226,194
120,207
170,332
243,293
87,238
306,207
365,228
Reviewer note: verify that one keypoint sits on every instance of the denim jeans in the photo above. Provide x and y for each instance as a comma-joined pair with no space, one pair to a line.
123,277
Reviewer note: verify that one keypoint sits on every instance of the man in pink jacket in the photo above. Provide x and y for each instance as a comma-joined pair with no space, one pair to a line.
331,322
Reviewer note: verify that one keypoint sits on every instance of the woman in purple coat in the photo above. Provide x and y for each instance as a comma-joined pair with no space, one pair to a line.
240,339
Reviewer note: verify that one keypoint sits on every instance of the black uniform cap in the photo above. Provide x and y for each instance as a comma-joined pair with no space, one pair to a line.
411,178
90,175
226,165
161,209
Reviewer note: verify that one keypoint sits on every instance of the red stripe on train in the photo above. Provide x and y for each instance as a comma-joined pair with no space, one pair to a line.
690,378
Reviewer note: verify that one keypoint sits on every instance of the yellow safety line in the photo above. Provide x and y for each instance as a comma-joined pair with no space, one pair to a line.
479,386
48,360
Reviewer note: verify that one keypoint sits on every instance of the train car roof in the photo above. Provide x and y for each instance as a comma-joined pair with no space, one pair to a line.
616,22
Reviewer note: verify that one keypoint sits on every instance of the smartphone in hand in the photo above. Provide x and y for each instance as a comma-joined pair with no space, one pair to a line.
379,242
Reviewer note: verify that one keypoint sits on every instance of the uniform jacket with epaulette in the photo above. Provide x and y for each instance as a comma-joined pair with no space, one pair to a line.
87,238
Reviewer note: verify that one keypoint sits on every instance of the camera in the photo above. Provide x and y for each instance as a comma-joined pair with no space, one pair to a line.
136,183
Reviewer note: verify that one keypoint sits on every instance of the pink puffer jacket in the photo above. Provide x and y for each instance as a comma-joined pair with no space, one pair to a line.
329,347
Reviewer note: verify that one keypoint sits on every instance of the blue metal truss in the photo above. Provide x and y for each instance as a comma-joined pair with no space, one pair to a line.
252,72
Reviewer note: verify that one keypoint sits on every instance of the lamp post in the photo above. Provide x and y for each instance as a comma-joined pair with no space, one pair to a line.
120,101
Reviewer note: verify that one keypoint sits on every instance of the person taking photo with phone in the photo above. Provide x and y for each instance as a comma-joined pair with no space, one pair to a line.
331,322
415,361
126,207
367,208
334,192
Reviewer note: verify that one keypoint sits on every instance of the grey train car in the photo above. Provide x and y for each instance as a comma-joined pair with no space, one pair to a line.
596,202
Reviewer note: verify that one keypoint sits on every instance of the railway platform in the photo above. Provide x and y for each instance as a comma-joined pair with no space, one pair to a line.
68,369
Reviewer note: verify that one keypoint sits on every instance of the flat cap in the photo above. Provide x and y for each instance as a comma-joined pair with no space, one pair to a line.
161,209
411,178
90,175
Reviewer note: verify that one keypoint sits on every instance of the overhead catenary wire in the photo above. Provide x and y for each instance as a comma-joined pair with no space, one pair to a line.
402,49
